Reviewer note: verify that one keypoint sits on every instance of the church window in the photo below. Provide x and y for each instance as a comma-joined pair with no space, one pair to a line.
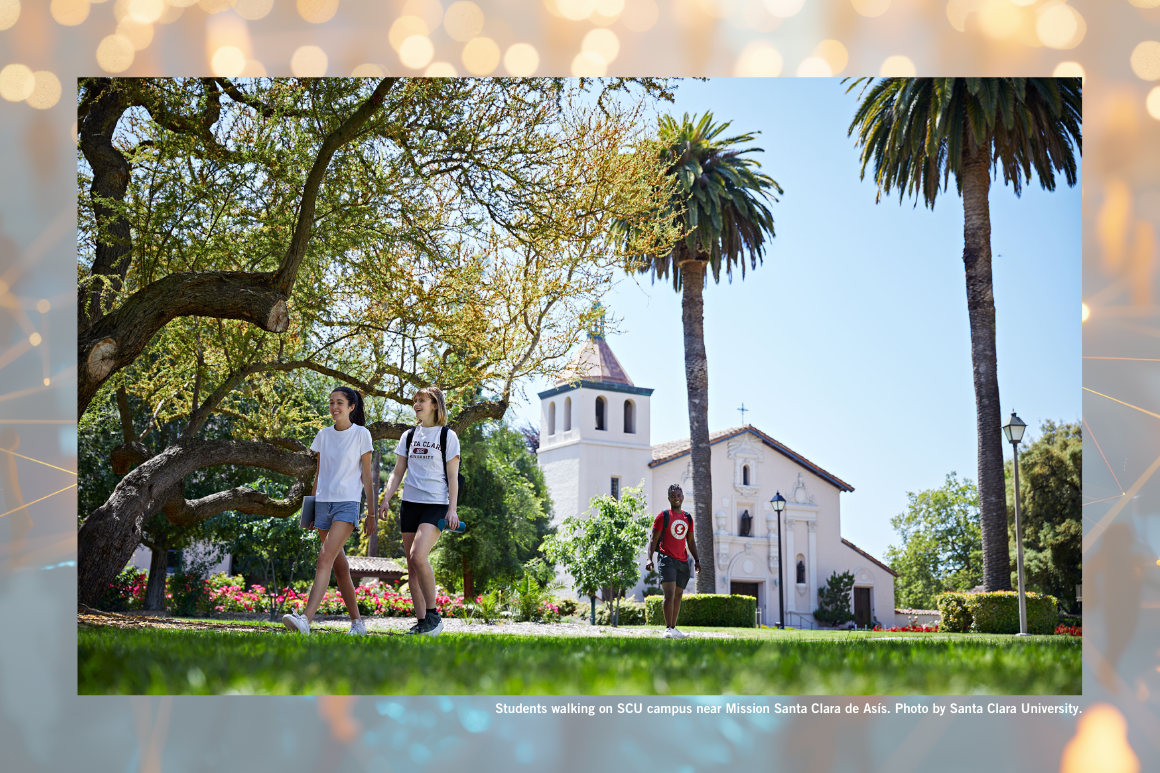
629,418
552,418
599,413
567,414
745,475
615,491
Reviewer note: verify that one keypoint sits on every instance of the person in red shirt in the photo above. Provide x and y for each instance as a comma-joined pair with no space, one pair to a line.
674,560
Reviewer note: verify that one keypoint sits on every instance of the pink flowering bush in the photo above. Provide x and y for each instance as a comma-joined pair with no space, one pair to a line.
229,595
912,628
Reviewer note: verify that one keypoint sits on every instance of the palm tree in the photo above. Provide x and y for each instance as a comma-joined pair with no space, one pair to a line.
918,130
718,206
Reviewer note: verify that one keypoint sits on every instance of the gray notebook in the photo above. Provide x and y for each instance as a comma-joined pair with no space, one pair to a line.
306,520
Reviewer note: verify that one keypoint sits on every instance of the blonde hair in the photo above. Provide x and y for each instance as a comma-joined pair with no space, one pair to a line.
435,395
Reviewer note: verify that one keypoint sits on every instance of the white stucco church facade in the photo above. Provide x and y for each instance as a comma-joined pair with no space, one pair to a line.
594,439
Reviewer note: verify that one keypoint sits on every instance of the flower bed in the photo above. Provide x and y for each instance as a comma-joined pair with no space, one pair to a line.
1069,630
909,629
375,600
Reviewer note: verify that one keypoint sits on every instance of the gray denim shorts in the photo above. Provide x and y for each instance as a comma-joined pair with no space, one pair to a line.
326,513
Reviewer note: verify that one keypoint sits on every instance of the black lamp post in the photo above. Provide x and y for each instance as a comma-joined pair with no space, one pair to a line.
778,503
1013,428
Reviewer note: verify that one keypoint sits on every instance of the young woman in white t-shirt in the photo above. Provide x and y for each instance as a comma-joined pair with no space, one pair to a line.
429,494
344,466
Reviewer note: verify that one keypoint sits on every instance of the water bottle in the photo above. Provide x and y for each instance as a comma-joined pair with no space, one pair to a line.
442,524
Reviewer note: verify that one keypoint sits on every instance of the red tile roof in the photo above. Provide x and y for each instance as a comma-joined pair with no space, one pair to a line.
595,362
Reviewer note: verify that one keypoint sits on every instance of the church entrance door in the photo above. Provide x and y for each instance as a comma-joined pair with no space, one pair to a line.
862,607
744,589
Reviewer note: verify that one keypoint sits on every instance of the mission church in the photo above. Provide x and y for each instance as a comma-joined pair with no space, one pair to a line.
594,439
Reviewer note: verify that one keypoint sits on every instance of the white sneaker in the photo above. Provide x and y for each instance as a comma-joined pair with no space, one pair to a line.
668,633
358,628
296,622
677,634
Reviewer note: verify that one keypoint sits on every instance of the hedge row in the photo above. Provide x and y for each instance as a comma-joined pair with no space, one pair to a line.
996,612
706,609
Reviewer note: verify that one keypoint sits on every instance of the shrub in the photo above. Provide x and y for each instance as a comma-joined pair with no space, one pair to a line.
631,613
707,609
189,593
125,592
567,607
954,617
834,600
998,612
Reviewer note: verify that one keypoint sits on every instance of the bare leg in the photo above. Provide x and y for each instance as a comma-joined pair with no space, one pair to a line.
332,541
421,578
678,591
346,585
670,590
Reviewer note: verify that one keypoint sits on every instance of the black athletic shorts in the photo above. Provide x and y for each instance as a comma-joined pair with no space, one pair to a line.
673,570
414,513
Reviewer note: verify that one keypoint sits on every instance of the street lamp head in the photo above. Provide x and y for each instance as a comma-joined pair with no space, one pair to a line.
778,502
1013,428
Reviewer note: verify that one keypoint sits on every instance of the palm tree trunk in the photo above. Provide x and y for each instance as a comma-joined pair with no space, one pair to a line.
697,380
988,420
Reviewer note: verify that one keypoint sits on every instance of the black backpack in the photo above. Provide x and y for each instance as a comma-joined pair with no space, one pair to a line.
443,450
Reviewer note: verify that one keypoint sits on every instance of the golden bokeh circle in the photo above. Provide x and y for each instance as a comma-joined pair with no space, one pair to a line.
759,59
146,11
140,35
589,64
404,27
481,56
1146,60
9,13
43,305
45,94
1152,103
115,53
369,70
463,21
253,10
603,42
871,8
317,11
1061,27
228,61
640,15
814,67
69,13
416,52
35,339
521,60
16,82
834,53
309,62
898,66
440,70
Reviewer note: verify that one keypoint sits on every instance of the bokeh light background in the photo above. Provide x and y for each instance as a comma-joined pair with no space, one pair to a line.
46,44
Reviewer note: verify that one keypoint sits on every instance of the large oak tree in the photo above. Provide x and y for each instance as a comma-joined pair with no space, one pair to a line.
243,245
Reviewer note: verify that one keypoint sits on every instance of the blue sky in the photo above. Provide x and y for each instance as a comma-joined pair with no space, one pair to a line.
850,343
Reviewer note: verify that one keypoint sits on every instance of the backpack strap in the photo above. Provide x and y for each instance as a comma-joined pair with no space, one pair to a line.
664,531
443,451
410,437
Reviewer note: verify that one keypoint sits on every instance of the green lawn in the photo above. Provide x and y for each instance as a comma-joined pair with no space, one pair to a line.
761,662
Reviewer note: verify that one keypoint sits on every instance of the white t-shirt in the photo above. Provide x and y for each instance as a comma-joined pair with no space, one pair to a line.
425,480
340,468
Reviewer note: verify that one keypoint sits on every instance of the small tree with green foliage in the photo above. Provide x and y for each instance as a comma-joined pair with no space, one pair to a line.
506,507
602,550
834,600
942,544
276,548
1050,509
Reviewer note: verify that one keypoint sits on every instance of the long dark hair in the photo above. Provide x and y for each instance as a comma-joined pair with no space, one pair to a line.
355,399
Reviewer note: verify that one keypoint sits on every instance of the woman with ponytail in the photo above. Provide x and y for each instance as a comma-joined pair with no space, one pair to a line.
344,461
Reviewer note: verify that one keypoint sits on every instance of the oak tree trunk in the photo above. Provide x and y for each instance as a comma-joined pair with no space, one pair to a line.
697,381
468,581
155,588
988,420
